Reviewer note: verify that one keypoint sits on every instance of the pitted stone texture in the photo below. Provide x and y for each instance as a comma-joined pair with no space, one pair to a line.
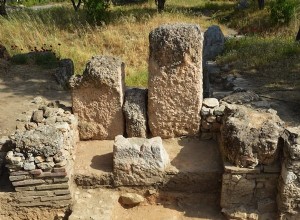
135,111
214,41
175,80
289,189
139,161
44,140
98,98
250,137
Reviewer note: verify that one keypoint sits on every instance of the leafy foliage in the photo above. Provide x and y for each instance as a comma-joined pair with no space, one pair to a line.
96,9
283,11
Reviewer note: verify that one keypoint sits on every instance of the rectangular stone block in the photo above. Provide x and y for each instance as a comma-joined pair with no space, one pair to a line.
19,173
61,192
28,182
98,97
52,186
24,188
34,193
139,161
49,174
175,80
59,169
55,198
18,178
61,180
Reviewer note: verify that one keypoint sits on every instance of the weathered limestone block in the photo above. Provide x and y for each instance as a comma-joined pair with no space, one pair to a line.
175,80
98,98
135,111
139,161
250,137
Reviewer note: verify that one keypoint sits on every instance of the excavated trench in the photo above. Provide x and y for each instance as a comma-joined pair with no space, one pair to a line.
192,192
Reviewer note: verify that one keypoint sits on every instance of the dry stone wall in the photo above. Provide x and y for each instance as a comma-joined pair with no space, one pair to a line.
40,162
98,97
175,80
289,184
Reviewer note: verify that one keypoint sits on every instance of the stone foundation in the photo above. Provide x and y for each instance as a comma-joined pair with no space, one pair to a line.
41,162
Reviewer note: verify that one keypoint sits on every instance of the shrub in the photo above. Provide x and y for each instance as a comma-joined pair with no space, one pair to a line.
96,9
282,11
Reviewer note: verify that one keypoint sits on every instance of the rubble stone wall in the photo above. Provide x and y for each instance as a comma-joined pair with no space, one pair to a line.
40,163
289,181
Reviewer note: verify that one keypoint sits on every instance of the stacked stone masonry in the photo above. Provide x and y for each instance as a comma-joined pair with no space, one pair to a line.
40,162
289,184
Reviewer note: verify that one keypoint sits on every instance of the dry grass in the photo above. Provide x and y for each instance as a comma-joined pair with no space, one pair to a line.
125,35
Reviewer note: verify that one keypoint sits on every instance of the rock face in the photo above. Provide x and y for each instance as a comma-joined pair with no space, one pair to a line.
135,111
98,97
175,80
250,137
139,161
64,72
214,41
289,188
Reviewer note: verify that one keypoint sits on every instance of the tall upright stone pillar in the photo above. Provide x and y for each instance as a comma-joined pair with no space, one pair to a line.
175,80
98,97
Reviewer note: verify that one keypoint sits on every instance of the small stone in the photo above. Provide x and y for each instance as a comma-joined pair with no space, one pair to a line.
61,164
38,100
204,111
131,199
219,110
211,102
37,116
152,191
39,159
211,119
49,159
29,165
30,125
206,125
45,166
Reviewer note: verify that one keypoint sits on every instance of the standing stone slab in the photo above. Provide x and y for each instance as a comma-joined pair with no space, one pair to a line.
135,111
98,97
139,161
175,80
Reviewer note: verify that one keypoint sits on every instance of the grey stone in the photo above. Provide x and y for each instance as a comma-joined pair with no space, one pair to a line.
250,136
44,140
64,72
175,80
210,102
219,111
139,161
213,43
98,97
205,111
135,111
37,116
131,199
46,165
241,97
29,165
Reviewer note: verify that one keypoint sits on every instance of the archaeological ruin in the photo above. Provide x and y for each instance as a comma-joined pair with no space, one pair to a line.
166,138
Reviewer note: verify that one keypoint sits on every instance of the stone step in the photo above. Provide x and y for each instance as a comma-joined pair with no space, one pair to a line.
196,165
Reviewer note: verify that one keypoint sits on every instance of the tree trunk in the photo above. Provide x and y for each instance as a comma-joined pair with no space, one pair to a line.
2,7
75,6
160,5
298,35
261,4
